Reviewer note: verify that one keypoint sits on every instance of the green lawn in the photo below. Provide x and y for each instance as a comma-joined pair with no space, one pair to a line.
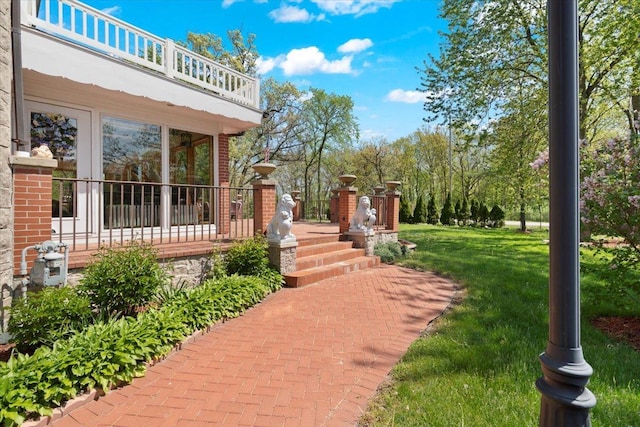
478,367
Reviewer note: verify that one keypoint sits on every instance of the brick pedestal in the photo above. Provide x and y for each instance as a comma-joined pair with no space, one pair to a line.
334,208
347,205
264,204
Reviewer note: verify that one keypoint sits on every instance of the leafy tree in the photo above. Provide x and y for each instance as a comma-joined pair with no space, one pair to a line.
432,211
328,122
446,215
420,211
241,57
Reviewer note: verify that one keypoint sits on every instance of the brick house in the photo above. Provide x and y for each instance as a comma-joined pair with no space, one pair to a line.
138,131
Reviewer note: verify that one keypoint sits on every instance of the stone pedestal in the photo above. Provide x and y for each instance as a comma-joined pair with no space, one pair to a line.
282,255
362,239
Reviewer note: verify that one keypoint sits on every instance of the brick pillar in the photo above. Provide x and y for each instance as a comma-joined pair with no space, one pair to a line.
264,202
32,183
297,208
393,210
347,205
333,207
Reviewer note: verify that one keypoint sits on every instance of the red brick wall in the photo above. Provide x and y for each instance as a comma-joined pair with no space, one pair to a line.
32,209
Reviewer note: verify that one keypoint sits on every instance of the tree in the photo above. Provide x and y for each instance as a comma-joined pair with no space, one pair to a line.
473,212
405,211
446,215
432,211
241,57
463,217
496,216
610,206
483,214
420,211
328,122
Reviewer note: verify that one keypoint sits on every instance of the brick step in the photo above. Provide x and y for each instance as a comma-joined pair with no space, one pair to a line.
312,241
318,260
323,248
300,278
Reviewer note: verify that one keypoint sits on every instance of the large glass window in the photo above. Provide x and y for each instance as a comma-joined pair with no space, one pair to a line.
131,150
131,153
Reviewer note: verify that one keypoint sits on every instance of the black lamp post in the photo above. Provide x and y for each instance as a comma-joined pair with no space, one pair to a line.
565,399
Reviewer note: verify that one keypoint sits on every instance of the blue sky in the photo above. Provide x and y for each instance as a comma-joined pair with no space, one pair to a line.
366,49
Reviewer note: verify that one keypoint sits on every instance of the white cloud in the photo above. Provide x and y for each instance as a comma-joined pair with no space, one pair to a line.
285,14
353,7
228,3
264,65
355,46
406,96
311,60
112,11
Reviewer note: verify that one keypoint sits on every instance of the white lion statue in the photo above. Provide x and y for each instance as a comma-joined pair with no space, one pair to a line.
42,152
279,227
365,217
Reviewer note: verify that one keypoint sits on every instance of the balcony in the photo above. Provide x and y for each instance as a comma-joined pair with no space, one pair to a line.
73,23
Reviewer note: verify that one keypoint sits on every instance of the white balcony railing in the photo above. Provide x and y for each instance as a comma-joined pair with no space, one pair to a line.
89,27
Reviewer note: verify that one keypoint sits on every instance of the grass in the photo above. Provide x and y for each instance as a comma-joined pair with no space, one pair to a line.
479,367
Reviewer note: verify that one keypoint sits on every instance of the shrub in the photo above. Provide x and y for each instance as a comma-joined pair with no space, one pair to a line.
496,216
432,211
463,215
420,212
405,211
388,252
45,316
474,211
483,214
248,257
446,215
121,281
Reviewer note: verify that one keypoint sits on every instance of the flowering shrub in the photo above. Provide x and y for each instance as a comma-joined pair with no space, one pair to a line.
610,206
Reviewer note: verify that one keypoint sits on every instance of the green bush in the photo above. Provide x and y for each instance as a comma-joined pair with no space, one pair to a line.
497,217
446,215
44,317
249,257
432,211
388,252
420,212
121,281
405,211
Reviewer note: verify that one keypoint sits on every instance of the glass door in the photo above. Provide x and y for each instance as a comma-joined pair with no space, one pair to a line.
67,134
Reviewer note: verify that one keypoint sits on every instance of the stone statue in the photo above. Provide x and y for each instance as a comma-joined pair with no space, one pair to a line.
365,217
279,227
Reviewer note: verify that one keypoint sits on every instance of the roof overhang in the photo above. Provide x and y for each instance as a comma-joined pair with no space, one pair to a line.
69,64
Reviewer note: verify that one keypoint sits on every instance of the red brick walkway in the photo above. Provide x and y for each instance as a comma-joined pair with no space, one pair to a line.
311,356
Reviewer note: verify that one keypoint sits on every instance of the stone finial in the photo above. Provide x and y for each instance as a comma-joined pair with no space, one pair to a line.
279,228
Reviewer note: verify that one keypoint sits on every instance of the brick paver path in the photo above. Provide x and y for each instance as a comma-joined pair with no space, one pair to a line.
311,356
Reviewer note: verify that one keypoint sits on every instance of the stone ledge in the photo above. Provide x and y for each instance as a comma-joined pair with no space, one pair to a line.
34,162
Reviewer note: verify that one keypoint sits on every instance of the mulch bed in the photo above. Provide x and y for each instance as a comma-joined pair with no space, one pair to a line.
626,329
